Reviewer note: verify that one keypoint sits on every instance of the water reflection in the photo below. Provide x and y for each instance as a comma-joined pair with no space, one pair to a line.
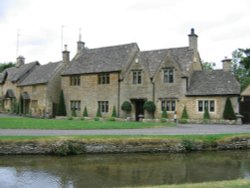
121,169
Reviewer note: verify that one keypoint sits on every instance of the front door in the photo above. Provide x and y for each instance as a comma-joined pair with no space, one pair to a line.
139,111
245,110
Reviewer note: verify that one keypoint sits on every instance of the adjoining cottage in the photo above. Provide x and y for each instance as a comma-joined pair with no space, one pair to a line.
245,104
172,78
9,79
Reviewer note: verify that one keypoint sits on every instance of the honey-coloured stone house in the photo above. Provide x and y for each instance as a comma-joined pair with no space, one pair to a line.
172,78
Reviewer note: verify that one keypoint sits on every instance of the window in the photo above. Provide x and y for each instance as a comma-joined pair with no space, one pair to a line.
74,80
168,105
209,104
75,105
168,75
103,78
103,106
137,77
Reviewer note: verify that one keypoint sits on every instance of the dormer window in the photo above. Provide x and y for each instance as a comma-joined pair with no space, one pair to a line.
75,80
137,77
168,75
103,78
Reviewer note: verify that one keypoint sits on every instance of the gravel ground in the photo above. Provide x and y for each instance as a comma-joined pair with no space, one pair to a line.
185,129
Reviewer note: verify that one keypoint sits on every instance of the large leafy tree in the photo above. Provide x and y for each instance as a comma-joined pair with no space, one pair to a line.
4,66
207,65
241,66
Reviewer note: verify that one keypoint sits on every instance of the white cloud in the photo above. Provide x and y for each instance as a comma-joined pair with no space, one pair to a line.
222,25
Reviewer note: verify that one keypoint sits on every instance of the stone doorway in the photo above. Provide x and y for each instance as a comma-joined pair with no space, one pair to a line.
139,111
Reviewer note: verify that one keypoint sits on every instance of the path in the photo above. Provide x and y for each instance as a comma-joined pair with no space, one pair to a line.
187,129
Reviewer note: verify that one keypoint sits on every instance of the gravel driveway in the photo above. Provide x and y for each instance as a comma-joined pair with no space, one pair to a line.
186,129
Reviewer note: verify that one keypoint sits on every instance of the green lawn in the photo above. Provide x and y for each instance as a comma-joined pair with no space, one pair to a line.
31,123
241,183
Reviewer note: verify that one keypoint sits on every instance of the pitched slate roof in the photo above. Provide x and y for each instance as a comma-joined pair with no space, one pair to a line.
41,74
182,57
107,59
215,82
15,74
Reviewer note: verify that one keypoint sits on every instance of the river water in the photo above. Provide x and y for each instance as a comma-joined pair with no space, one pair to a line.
119,170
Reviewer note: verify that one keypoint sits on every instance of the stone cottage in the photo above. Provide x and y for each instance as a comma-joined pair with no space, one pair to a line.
9,79
172,78
35,87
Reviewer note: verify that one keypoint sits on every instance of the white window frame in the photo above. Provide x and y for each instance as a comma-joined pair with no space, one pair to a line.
169,102
203,103
166,74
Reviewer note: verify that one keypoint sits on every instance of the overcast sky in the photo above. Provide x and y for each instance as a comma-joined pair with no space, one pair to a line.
222,26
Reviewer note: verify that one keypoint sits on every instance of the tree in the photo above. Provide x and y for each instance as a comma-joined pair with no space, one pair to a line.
61,111
207,65
164,114
184,113
206,115
73,112
114,112
229,111
127,107
4,66
241,66
85,112
98,112
149,106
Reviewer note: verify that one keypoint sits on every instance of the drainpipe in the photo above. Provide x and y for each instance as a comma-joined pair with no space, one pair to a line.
153,92
118,95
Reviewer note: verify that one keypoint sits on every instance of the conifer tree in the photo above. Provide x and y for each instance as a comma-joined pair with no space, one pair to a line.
206,115
229,111
85,112
98,113
184,113
114,112
61,111
164,114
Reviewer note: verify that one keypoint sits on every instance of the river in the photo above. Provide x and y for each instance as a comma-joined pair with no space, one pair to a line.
119,170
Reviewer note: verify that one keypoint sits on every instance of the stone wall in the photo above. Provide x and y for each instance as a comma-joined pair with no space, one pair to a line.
90,92
68,147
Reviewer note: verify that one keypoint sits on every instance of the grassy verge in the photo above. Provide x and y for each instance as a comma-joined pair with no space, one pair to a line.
240,183
30,123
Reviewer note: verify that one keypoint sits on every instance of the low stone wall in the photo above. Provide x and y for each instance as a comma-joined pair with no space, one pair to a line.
70,147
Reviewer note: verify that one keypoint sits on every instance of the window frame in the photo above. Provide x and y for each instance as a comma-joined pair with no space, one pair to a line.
209,103
103,106
75,80
137,77
169,75
103,78
168,104
75,105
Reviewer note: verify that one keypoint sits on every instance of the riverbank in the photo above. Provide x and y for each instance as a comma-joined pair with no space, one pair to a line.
72,145
242,183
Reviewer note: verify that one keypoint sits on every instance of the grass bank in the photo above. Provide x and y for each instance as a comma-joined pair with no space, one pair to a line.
240,183
31,123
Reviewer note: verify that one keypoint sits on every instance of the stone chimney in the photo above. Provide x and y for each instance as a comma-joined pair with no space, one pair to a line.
65,55
80,46
193,42
227,64
20,60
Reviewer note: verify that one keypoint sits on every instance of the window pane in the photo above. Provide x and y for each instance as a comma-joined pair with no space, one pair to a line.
173,105
211,106
200,106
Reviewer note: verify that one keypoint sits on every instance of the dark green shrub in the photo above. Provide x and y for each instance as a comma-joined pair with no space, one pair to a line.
206,115
85,112
114,112
61,110
98,113
184,113
229,111
126,106
73,112
164,114
149,106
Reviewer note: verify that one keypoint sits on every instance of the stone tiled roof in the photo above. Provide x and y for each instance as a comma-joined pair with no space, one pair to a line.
41,74
107,59
215,82
15,74
182,57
